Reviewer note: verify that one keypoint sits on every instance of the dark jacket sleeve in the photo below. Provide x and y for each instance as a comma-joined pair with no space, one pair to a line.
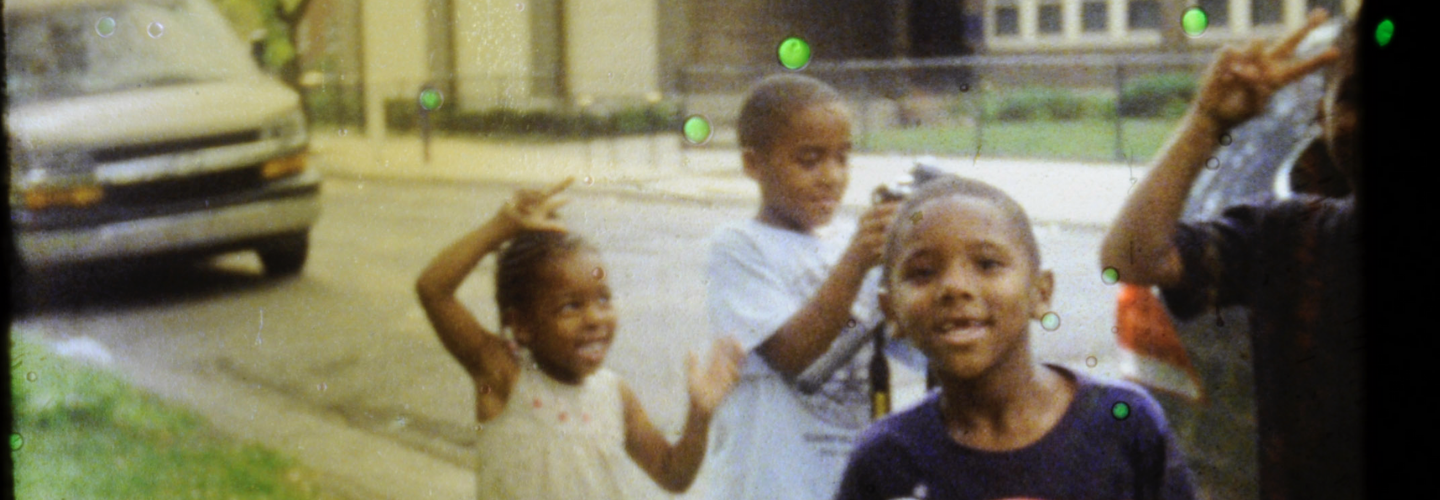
1217,257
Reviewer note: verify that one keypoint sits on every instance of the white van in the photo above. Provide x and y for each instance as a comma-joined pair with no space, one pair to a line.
144,128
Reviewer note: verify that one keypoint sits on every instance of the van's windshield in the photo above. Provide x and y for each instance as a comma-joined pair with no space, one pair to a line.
64,50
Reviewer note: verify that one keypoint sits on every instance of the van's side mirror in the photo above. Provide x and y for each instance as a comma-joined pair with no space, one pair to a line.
257,51
257,47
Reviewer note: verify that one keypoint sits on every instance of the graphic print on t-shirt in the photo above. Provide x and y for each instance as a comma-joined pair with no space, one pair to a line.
844,400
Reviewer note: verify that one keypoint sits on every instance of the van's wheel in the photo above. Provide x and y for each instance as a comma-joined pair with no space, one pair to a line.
285,256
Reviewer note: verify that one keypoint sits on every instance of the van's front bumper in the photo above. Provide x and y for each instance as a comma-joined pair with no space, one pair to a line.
288,207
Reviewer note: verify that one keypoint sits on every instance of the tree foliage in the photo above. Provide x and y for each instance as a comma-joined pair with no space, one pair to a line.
273,23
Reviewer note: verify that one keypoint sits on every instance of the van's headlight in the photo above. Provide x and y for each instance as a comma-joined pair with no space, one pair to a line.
49,179
289,128
284,166
73,195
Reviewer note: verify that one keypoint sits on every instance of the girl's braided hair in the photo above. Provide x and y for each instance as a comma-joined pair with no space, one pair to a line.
519,267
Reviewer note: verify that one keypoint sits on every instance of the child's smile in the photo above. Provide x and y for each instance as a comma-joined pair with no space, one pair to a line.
961,332
963,288
575,322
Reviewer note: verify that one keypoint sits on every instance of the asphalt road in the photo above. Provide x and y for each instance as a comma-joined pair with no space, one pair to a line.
339,368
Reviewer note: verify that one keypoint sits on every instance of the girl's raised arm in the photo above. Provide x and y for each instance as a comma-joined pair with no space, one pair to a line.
486,357
1140,243
675,467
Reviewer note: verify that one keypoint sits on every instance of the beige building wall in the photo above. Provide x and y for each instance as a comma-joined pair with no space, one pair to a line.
393,34
612,49
492,53
612,53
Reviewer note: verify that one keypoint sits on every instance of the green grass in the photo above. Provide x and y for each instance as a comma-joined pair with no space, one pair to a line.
1085,140
83,433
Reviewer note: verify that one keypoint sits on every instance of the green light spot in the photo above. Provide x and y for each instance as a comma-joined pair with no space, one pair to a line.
1050,321
1120,410
697,129
1194,21
794,53
1110,276
1384,32
16,442
105,27
430,99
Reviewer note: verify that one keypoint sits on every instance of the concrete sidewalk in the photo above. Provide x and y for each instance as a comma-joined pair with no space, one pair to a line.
1072,193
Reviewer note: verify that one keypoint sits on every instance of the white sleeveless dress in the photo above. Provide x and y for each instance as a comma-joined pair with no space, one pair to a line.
557,441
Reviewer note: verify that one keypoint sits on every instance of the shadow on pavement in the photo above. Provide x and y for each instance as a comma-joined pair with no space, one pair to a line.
134,284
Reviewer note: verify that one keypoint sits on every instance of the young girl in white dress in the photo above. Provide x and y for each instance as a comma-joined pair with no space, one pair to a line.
554,423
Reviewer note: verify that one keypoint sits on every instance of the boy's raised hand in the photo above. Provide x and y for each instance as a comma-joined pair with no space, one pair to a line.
534,210
869,241
1241,80
710,384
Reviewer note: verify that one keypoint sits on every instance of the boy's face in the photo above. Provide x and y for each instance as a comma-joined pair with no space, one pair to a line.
572,323
963,289
805,171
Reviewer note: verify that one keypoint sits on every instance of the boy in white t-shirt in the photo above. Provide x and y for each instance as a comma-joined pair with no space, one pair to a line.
794,289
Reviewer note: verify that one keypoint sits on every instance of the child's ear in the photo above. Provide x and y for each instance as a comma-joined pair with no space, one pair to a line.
887,308
522,335
754,163
1041,291
518,332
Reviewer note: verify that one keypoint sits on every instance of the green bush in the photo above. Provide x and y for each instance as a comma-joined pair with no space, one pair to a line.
1157,96
1098,106
1035,103
1024,105
402,115
333,106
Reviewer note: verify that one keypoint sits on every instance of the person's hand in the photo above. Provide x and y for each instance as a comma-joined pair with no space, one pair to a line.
710,384
534,210
868,244
1241,80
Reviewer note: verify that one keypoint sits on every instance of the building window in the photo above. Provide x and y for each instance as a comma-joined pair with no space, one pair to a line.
1145,14
1094,16
1265,12
1007,18
1217,12
1050,18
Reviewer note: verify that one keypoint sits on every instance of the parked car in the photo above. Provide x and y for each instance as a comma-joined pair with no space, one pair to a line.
144,128
1273,156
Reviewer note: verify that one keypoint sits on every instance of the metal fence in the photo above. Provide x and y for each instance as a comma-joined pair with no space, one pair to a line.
964,91
957,92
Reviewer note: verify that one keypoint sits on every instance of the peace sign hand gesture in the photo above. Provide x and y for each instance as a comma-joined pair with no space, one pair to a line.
1240,81
534,210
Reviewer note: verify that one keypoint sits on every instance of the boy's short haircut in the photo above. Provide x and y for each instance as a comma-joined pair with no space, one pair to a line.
773,101
954,185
